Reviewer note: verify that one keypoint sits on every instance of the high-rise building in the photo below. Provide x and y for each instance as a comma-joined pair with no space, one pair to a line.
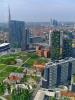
54,23
58,73
17,34
67,46
27,37
55,43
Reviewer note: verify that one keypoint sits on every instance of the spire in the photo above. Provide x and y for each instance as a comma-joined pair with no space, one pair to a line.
9,13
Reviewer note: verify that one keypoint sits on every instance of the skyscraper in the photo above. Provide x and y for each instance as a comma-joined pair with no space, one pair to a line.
27,37
55,44
9,13
67,45
18,36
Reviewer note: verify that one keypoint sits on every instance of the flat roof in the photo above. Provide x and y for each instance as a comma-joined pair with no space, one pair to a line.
63,61
4,44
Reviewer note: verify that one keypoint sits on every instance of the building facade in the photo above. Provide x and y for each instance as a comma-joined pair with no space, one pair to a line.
17,34
58,73
27,38
67,46
55,40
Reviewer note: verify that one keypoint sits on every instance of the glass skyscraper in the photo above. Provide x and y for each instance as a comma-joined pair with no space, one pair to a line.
17,34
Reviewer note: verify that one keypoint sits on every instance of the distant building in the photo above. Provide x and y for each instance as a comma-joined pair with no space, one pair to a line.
36,39
17,34
4,37
27,37
54,23
58,73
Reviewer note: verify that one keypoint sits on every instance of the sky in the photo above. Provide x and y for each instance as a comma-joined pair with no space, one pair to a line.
38,10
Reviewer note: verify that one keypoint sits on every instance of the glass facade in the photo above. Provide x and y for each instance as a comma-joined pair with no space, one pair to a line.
17,34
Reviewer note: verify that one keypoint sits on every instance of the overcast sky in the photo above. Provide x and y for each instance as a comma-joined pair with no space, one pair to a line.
38,10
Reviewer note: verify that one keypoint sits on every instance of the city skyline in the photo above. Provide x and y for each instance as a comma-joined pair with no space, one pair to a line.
38,10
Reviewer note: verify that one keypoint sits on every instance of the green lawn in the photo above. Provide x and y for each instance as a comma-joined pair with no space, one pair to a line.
6,62
52,98
7,59
34,58
6,70
10,59
2,66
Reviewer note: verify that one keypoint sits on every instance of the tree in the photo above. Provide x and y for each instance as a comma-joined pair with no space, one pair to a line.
21,94
2,88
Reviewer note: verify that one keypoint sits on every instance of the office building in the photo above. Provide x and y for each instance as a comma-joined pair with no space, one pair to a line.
58,73
17,34
54,23
27,37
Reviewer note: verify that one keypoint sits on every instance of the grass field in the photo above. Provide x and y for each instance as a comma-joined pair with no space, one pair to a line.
34,58
5,70
6,66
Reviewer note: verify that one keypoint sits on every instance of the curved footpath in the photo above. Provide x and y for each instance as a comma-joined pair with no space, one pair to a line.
2,98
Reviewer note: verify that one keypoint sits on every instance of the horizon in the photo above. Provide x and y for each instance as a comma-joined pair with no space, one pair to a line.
38,11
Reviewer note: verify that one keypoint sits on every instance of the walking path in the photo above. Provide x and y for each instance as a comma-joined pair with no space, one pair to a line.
2,98
26,60
3,69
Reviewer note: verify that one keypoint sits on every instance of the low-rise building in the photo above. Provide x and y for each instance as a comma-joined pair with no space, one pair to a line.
15,77
43,49
4,48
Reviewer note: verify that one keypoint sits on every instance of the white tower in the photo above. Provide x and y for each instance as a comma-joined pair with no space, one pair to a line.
50,38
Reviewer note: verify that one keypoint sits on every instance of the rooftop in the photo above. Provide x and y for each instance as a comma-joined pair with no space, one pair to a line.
68,94
20,75
4,44
60,62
